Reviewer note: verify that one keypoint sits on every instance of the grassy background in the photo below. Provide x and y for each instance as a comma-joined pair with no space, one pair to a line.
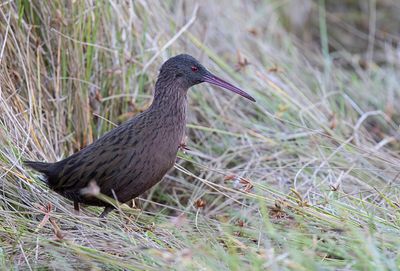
305,179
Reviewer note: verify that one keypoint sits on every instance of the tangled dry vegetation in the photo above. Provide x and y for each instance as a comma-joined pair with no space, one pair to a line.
305,179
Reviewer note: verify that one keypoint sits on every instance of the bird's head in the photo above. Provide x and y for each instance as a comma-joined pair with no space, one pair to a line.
187,71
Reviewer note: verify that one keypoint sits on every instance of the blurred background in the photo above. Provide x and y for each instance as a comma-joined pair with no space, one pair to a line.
365,29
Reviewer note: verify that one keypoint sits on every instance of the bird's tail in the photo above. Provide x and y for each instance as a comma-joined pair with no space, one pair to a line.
39,166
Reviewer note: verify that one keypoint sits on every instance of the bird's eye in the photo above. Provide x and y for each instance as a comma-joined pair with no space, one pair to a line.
195,69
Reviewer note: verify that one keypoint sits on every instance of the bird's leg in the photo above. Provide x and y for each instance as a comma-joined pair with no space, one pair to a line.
76,207
106,211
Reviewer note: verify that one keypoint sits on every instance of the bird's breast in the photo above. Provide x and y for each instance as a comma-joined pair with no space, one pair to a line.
167,142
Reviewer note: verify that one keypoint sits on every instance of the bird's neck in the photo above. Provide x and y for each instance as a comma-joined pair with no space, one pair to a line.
170,100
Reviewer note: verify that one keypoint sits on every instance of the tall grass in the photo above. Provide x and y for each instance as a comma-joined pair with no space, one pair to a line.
305,179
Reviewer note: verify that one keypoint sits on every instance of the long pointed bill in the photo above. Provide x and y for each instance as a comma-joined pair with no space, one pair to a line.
212,79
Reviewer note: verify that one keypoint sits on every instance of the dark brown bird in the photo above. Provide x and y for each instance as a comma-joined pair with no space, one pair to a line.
128,160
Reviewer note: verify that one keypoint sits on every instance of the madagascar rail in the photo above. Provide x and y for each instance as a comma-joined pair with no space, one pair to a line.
131,158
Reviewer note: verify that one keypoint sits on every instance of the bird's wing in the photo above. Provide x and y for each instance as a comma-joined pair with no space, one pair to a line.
100,161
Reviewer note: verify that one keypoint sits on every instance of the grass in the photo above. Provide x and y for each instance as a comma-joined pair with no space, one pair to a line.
304,179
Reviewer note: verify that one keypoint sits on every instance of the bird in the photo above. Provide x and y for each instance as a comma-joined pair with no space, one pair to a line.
131,158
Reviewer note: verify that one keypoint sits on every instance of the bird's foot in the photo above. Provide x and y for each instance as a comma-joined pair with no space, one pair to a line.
106,211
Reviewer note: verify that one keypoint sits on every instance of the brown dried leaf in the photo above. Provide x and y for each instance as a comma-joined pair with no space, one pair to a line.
246,184
200,203
332,121
277,211
242,61
240,223
275,69
230,177
56,229
254,31
46,210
